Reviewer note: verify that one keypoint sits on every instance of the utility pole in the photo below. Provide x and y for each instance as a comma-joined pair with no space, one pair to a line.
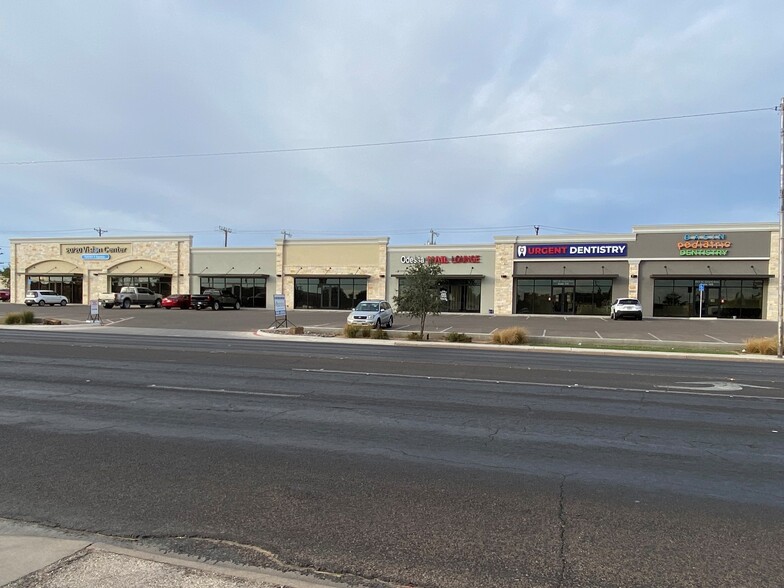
285,234
536,228
226,231
100,231
780,344
433,236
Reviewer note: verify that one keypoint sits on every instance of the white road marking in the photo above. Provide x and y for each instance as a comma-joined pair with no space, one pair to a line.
654,336
223,391
716,338
447,329
713,386
680,392
598,335
544,333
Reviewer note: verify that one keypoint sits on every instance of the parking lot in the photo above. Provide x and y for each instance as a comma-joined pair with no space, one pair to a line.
549,326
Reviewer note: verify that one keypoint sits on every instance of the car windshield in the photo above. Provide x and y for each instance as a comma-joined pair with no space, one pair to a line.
367,306
628,301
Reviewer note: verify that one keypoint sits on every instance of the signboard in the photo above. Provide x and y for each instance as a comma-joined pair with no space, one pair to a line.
571,250
713,244
280,305
440,259
96,256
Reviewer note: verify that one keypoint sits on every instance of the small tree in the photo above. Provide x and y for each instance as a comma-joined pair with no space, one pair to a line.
419,294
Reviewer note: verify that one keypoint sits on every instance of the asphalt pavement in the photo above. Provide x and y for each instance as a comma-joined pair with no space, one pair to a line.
35,556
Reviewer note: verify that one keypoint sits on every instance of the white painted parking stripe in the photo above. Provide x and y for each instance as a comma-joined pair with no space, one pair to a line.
598,335
715,338
654,336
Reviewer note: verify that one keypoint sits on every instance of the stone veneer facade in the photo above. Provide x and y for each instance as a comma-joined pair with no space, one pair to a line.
165,255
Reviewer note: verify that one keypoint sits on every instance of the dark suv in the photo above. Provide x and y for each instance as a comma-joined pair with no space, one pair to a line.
215,299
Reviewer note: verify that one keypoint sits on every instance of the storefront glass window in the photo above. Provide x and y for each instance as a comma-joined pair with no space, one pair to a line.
732,298
563,296
457,295
159,284
251,290
69,285
329,293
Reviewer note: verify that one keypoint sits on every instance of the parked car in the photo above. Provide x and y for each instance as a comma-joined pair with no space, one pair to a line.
375,313
626,307
182,301
215,299
44,297
5,294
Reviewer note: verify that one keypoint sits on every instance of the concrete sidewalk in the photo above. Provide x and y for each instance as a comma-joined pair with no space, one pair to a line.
42,559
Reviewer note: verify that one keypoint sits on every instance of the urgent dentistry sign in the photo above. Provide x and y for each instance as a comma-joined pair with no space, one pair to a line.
572,250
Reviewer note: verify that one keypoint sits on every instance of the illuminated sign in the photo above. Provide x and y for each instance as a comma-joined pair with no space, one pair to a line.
572,250
441,259
95,256
712,244
94,250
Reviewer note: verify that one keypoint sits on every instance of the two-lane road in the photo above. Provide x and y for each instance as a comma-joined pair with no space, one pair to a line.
434,467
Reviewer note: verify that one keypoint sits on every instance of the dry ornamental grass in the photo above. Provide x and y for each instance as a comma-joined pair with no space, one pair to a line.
761,345
511,336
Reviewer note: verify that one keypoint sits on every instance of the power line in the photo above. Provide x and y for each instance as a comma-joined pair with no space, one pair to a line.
388,143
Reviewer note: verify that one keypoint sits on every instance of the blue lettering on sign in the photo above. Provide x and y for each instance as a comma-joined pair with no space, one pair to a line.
572,250
96,256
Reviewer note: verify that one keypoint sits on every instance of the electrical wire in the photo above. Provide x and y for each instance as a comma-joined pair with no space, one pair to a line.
387,143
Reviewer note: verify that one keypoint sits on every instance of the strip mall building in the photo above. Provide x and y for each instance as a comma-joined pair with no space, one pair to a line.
721,271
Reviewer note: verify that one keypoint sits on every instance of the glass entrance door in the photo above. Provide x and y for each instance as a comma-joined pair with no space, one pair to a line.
711,302
330,296
563,299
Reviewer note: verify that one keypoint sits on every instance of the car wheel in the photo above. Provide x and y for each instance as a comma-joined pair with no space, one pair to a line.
158,304
612,316
216,306
63,302
391,320
142,306
378,324
126,303
108,305
41,303
236,305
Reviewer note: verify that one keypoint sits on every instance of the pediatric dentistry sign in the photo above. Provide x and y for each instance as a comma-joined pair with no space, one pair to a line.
704,244
572,250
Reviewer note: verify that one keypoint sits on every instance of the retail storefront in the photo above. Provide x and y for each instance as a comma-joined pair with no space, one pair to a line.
81,269
719,271
716,271
331,275
244,272
466,281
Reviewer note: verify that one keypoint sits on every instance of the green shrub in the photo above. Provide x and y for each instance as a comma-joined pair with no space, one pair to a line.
378,334
511,336
458,338
761,345
20,318
414,337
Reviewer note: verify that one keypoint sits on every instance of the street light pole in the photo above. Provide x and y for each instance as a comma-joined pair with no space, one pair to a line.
780,343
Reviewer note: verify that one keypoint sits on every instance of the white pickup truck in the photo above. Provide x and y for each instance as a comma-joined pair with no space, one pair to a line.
130,295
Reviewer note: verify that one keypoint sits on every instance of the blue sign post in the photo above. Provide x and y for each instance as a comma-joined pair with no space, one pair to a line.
701,288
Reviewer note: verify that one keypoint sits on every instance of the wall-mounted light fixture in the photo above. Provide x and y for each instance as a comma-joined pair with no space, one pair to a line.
709,269
382,275
504,276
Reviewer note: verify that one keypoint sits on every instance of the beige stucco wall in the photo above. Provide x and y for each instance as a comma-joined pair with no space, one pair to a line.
148,255
350,257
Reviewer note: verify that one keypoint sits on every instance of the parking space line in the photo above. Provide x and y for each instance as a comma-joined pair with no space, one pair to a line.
598,335
544,333
654,336
447,329
715,338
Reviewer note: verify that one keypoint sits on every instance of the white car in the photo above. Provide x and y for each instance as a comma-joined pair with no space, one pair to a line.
624,307
44,297
374,313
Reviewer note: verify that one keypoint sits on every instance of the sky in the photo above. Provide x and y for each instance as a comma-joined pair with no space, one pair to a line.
326,119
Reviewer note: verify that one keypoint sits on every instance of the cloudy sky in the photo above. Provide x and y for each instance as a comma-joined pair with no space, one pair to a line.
177,117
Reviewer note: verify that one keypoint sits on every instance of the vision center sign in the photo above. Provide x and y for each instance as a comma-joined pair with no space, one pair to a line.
103,251
571,250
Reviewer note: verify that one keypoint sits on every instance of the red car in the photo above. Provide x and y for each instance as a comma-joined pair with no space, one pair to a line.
5,294
182,301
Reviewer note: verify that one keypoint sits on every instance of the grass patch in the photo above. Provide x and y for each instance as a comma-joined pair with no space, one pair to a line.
458,338
414,337
511,336
641,347
761,345
378,334
20,318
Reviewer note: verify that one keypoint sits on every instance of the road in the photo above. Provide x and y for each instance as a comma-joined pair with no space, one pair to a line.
402,465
